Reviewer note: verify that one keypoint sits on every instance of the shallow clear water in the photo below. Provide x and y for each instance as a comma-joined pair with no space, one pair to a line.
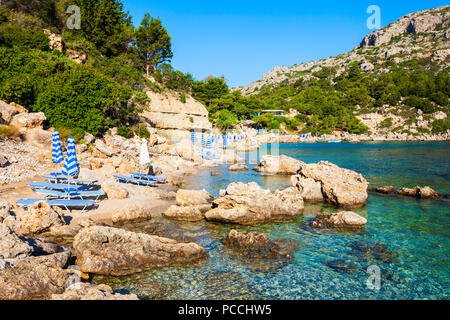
415,236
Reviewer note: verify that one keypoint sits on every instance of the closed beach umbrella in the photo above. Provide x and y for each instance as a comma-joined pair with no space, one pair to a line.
57,155
70,163
194,137
208,143
203,139
144,158
225,141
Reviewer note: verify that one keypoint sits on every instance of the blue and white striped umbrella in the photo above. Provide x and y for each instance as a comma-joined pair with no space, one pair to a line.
208,143
203,140
194,137
225,141
70,163
57,155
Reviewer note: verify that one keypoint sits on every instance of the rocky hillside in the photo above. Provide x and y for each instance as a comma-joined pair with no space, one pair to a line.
418,35
395,82
175,119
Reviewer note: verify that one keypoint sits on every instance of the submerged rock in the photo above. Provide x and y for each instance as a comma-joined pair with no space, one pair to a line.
373,253
257,245
250,204
170,231
346,219
282,165
111,251
87,291
258,252
342,266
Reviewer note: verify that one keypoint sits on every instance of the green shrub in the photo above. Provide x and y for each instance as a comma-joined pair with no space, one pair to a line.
7,131
76,133
18,89
440,126
226,119
421,104
125,132
83,98
142,132
183,98
15,36
386,123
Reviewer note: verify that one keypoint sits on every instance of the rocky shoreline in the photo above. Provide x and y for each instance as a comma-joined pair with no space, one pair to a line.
45,252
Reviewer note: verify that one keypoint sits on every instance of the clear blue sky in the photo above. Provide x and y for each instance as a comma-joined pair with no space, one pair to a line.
244,39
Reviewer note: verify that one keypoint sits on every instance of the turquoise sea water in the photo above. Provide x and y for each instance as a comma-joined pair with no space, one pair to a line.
407,239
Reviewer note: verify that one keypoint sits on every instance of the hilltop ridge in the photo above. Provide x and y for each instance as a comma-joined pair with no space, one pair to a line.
416,35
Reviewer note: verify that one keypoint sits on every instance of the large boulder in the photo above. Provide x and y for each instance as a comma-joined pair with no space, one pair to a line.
341,187
416,192
11,246
111,251
103,148
130,214
40,218
27,121
87,291
310,190
193,197
3,161
39,138
5,209
114,190
7,112
345,219
185,213
282,165
35,277
250,204
292,198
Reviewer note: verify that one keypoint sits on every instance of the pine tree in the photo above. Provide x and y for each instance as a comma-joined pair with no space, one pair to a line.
153,43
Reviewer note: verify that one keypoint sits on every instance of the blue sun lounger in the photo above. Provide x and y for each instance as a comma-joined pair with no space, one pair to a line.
126,179
71,194
67,204
57,186
143,176
57,179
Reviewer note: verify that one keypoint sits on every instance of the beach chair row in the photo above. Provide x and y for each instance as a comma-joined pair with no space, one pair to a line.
74,193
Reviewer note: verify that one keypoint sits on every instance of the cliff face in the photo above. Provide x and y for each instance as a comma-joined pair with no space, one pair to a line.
415,36
174,119
433,21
